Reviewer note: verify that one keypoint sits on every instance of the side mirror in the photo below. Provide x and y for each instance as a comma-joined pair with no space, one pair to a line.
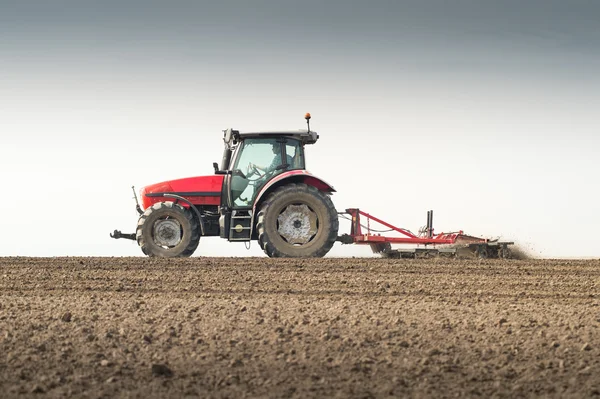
219,172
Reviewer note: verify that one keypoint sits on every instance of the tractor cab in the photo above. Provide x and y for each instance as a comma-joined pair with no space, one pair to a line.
251,160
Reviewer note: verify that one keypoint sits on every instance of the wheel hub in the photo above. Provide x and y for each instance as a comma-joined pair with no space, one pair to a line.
167,232
297,224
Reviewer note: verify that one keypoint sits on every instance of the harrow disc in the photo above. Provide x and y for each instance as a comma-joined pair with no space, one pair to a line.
493,250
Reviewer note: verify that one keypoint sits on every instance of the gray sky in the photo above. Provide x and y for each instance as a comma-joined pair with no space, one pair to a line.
484,111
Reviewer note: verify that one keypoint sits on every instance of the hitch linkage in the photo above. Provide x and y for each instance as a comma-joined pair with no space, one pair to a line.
117,234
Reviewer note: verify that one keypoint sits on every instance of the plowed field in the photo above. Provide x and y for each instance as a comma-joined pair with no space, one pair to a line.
248,327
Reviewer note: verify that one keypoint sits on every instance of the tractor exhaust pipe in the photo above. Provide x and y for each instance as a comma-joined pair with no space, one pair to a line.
137,203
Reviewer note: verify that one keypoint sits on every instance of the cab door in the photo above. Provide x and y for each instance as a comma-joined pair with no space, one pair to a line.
258,161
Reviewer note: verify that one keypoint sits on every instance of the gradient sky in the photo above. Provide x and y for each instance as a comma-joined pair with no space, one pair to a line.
484,111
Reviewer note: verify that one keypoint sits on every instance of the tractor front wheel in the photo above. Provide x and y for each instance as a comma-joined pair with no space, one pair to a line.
168,230
297,220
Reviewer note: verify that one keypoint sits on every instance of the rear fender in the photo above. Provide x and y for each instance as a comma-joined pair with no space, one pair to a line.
293,176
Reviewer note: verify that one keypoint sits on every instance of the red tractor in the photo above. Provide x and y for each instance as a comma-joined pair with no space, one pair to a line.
261,191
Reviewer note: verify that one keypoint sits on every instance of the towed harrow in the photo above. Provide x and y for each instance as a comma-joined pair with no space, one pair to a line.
428,244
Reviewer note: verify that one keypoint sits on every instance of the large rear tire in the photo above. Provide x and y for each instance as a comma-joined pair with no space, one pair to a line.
297,221
168,230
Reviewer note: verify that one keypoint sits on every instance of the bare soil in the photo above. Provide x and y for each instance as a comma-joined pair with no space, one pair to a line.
258,327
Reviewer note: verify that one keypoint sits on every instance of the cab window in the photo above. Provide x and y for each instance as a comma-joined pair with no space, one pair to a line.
294,154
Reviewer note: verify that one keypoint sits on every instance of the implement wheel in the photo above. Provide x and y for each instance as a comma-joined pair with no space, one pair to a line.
297,221
504,252
167,230
482,252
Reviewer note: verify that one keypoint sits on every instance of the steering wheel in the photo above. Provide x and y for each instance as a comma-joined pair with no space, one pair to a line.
253,170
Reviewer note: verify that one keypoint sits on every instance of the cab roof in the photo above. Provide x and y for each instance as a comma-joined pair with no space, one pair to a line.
231,136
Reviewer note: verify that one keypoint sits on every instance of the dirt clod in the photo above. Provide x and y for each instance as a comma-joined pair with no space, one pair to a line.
161,370
37,389
66,317
586,347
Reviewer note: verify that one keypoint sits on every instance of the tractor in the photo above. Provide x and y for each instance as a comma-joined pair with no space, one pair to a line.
261,191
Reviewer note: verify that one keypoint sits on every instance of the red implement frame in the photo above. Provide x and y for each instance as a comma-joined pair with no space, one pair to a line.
428,238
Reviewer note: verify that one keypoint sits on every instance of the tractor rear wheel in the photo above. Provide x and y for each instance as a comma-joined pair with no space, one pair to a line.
168,230
297,221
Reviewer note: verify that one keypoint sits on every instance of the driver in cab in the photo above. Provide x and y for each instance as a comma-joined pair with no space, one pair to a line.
274,163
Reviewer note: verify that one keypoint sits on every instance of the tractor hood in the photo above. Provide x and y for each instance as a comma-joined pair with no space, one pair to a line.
199,190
